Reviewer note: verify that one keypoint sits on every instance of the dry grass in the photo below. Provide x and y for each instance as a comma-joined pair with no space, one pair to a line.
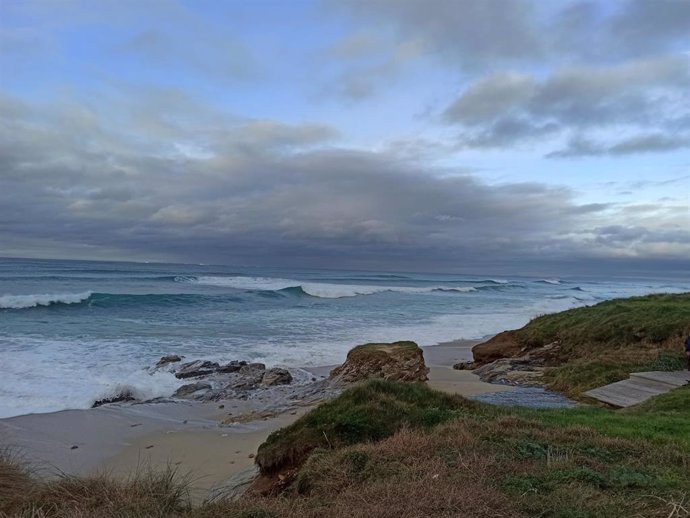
146,493
482,462
507,466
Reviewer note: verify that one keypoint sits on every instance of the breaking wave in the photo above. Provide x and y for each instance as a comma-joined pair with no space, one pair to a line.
314,289
32,301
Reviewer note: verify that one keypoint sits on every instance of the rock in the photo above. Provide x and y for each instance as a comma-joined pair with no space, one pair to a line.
527,369
165,360
465,366
196,368
402,361
252,369
233,366
276,376
189,390
125,395
503,345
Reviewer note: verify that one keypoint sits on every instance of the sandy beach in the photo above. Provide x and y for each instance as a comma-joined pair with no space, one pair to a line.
188,436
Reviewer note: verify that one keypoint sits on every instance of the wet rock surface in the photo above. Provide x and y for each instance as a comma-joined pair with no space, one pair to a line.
121,397
196,369
525,370
165,360
270,391
276,376
191,389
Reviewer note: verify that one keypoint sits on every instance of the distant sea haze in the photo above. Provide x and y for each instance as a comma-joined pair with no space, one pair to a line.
72,332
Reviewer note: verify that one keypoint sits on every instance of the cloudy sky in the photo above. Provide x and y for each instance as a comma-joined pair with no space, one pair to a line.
471,135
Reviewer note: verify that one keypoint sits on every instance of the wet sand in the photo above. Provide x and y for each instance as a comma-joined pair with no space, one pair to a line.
441,358
188,436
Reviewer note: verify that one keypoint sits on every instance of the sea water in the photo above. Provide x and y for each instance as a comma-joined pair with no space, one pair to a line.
72,332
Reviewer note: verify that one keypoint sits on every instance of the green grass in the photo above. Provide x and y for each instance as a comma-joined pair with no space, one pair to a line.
391,449
661,420
367,412
604,343
651,319
583,462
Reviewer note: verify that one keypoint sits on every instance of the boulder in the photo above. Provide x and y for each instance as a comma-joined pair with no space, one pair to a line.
276,376
165,360
196,368
402,361
527,369
503,345
233,366
465,366
189,390
252,369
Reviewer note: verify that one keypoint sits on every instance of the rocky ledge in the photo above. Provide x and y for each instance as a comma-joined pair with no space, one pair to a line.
212,381
401,361
503,360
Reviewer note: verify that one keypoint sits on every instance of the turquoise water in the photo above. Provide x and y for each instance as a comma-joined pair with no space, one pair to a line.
74,331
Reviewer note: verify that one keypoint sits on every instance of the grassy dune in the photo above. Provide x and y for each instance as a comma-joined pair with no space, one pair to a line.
604,343
400,450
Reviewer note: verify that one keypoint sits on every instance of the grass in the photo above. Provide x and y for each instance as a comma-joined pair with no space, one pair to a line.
652,319
491,461
147,493
604,343
367,412
397,450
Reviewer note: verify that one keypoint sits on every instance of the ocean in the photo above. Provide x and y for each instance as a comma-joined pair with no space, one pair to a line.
72,332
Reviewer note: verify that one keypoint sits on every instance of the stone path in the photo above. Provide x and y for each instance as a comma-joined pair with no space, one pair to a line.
640,387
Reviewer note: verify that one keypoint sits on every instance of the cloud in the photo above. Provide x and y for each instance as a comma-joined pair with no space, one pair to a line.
268,192
508,108
471,32
643,143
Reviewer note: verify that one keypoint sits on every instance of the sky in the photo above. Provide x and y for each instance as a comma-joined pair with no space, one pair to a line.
513,136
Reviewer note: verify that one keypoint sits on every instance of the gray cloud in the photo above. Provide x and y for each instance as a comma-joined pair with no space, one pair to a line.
264,192
507,108
579,146
471,32
500,36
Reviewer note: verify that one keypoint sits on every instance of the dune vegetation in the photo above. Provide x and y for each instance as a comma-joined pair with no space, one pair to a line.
392,449
604,343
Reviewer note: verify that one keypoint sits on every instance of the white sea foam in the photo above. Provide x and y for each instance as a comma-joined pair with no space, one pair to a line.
32,301
551,281
47,375
321,290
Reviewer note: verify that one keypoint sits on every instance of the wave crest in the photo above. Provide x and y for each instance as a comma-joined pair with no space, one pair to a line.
313,289
48,299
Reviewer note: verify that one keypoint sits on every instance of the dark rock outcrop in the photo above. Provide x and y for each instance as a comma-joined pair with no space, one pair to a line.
276,376
196,368
166,360
402,361
252,369
233,366
503,345
527,369
191,389
123,396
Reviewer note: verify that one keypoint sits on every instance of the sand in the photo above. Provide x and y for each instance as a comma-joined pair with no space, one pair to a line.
186,435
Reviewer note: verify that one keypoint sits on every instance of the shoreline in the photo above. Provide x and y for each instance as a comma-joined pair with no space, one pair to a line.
210,442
